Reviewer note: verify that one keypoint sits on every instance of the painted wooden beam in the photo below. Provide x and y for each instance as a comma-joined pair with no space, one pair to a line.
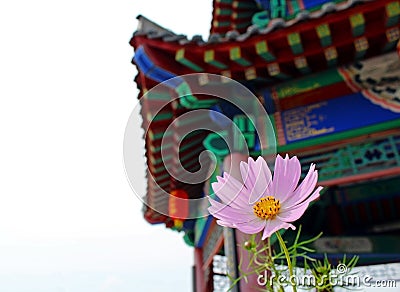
242,14
264,51
181,58
250,73
217,23
223,11
235,54
302,65
274,70
331,56
357,22
209,58
392,36
324,34
294,41
361,46
244,5
392,13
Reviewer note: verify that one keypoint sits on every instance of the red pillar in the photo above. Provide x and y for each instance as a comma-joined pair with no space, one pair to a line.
199,274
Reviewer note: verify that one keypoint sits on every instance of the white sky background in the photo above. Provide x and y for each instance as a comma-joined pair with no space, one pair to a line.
68,218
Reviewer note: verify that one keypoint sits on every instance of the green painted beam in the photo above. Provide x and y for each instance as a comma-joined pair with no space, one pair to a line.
155,161
304,84
188,100
392,13
180,57
235,54
240,25
264,52
357,22
155,136
241,14
294,41
244,4
160,116
209,58
217,23
324,34
223,11
157,95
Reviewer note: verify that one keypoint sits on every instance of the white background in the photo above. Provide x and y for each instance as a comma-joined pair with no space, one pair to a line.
68,218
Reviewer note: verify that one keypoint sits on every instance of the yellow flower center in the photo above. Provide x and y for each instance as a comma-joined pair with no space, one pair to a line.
267,207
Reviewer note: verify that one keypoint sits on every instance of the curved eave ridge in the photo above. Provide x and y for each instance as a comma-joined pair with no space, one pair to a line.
151,70
150,29
148,68
361,32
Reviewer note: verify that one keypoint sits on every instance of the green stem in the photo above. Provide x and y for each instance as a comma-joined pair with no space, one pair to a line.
289,262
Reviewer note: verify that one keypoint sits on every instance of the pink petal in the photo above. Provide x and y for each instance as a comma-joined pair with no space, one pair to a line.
229,194
257,177
225,224
252,227
275,225
286,176
306,202
217,206
304,189
293,214
229,214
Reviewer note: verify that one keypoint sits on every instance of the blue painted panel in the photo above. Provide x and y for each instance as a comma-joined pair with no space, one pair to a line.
309,4
204,231
333,116
149,69
226,109
142,60
269,103
276,7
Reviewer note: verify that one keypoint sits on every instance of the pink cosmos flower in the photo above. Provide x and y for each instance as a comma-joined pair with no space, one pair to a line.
263,202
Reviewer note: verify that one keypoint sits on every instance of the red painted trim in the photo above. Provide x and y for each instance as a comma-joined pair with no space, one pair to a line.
199,274
337,144
380,101
362,177
315,95
217,247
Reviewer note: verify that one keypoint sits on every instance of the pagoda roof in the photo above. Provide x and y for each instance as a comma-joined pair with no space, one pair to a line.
311,42
231,15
